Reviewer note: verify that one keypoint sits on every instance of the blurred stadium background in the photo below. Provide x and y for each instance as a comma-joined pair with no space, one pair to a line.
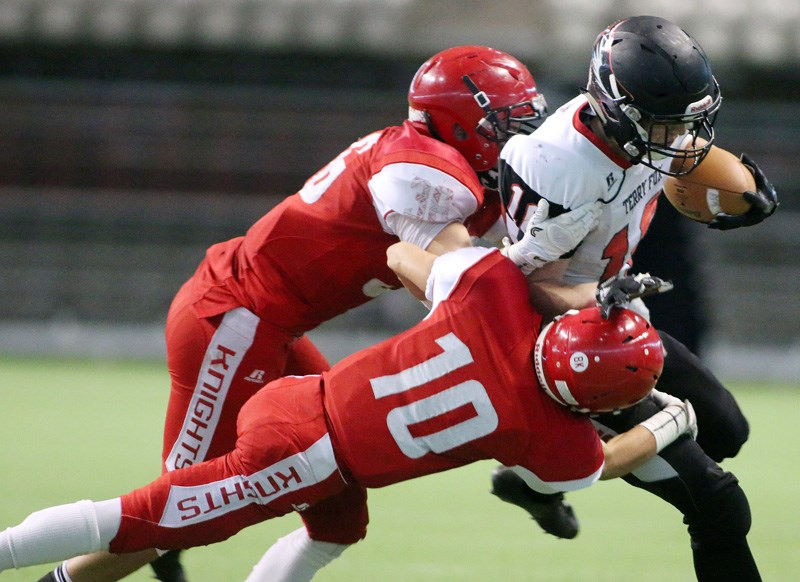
138,132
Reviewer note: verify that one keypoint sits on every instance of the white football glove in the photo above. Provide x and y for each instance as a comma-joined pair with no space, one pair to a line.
548,239
674,419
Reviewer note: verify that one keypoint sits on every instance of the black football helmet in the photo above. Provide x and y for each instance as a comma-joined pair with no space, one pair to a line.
651,85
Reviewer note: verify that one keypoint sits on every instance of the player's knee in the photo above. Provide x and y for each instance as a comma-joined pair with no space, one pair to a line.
724,517
724,439
738,434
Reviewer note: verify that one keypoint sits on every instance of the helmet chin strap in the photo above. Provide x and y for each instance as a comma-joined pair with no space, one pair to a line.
481,98
631,148
598,111
633,151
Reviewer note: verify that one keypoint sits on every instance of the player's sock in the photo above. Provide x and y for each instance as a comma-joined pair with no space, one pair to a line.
554,515
57,575
168,568
60,532
296,558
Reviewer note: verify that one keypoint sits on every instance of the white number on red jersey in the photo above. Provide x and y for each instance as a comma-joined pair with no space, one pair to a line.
317,184
455,355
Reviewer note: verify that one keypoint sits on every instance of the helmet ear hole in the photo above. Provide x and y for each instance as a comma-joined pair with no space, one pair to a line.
460,133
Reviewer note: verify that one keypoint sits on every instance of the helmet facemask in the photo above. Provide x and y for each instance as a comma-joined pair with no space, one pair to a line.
685,138
498,125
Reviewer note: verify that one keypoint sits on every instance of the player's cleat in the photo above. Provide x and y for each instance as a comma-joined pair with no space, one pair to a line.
168,568
551,512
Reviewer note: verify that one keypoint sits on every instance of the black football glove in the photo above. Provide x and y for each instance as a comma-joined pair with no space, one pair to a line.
764,202
620,290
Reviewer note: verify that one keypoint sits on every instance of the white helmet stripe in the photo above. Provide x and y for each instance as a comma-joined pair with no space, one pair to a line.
563,390
612,82
552,394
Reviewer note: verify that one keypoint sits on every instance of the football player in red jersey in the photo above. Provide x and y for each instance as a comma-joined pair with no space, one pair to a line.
478,378
239,321
650,96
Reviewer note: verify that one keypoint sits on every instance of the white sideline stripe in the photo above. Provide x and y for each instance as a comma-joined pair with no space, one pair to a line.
235,332
187,506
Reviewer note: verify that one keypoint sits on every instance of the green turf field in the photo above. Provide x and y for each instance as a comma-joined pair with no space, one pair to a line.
74,430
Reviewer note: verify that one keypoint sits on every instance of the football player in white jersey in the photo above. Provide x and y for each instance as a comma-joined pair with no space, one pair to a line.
648,111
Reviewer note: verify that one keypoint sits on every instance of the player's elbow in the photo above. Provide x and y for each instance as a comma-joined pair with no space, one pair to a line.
393,257
400,256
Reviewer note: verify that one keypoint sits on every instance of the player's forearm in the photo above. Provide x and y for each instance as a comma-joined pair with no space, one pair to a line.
453,236
627,451
412,265
551,298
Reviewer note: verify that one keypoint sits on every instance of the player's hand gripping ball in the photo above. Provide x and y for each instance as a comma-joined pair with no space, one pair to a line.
723,191
717,185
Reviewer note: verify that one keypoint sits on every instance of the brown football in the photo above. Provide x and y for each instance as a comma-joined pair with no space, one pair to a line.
715,185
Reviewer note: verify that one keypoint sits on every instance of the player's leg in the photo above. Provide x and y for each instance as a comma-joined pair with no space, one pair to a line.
331,526
295,558
251,354
101,569
714,506
723,427
164,513
107,567
283,462
215,365
167,567
551,511
273,470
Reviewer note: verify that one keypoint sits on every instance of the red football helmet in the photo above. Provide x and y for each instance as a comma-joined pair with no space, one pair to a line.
474,98
591,364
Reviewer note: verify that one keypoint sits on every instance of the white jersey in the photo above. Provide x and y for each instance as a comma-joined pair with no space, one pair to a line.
565,163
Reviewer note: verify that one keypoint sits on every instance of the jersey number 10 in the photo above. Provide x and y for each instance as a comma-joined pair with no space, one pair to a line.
454,356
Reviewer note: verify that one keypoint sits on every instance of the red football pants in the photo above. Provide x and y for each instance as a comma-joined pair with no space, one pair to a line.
218,364
283,461
215,365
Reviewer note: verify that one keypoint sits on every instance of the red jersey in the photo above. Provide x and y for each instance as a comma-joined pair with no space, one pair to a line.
458,387
322,251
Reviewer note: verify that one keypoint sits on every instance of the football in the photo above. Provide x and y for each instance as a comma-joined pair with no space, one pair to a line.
715,185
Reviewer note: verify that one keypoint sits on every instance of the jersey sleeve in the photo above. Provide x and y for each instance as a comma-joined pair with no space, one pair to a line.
412,230
447,270
420,191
